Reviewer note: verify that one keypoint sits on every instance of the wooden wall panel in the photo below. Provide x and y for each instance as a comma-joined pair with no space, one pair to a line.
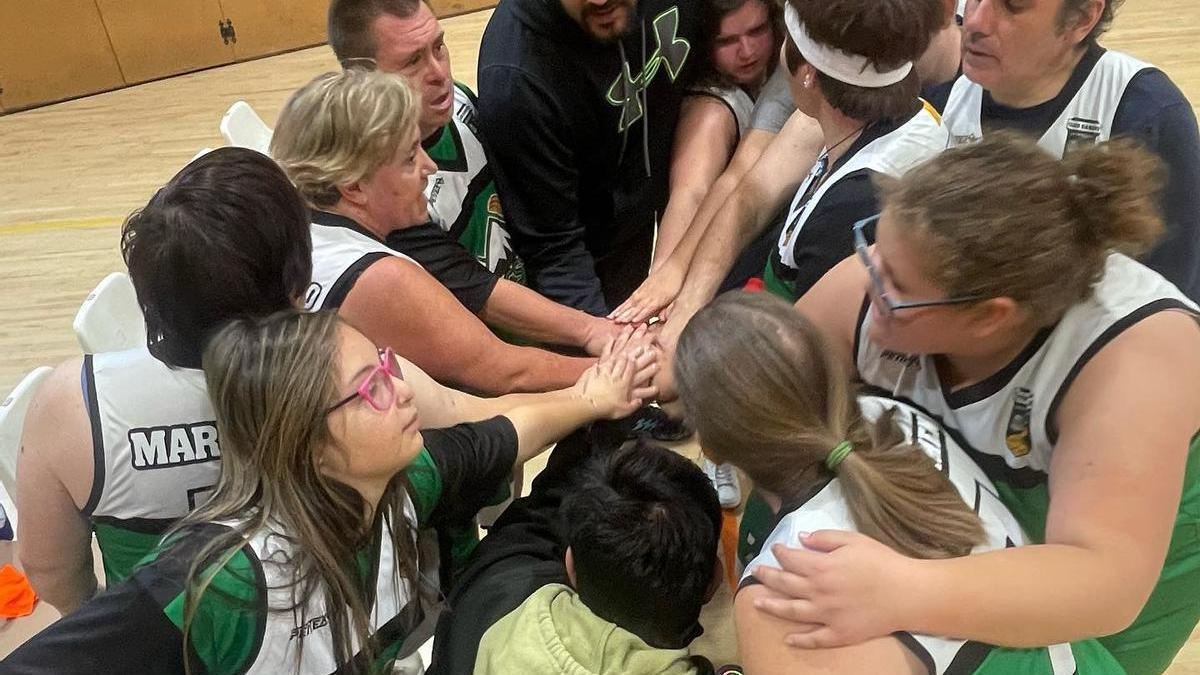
51,50
272,26
156,38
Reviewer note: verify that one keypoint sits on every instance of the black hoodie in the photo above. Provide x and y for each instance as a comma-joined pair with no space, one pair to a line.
581,145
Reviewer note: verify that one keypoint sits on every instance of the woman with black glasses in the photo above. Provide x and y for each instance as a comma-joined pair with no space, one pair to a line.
1001,297
305,559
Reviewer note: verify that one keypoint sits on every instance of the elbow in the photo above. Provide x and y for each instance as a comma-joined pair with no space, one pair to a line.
62,588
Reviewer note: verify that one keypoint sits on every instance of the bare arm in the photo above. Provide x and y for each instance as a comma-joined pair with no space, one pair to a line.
706,137
833,305
1106,532
663,284
780,170
761,645
398,304
54,479
530,315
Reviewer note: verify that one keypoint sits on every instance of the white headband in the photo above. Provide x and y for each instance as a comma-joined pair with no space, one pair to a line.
841,66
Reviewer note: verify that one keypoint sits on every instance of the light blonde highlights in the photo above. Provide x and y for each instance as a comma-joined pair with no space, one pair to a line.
340,127
764,393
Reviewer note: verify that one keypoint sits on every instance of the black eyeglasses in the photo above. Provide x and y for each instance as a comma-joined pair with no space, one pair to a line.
878,292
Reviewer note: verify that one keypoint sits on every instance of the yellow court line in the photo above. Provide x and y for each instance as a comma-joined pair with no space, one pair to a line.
65,224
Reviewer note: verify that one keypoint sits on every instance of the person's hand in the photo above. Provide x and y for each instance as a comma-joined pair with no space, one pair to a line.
655,294
620,381
841,589
600,332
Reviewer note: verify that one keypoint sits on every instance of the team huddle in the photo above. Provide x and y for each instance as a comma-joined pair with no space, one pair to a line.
924,274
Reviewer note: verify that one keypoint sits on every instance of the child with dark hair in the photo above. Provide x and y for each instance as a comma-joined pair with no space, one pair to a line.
603,568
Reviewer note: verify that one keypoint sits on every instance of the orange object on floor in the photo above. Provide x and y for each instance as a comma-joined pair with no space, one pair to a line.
16,595
729,542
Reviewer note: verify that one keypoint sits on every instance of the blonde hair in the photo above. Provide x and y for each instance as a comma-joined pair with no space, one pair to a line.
764,393
340,127
1004,218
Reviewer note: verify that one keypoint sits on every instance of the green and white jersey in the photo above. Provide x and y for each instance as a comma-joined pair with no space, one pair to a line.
154,442
462,194
941,655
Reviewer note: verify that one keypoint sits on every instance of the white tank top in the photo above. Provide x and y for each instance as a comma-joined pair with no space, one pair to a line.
395,613
341,252
918,139
737,100
154,437
1087,119
1010,416
827,510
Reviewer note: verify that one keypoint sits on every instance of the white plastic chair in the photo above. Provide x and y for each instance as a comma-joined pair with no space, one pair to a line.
198,155
243,128
110,319
12,419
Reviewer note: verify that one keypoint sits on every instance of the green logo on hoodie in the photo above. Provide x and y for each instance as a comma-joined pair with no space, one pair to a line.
670,51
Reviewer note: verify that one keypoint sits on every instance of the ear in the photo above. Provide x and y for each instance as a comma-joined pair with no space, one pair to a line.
353,193
808,76
1077,24
569,562
994,316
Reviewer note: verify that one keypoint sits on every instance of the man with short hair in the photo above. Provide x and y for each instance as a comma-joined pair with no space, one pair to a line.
578,104
603,568
465,246
1037,67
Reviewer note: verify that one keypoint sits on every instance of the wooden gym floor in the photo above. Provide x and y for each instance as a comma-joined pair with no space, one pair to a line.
71,172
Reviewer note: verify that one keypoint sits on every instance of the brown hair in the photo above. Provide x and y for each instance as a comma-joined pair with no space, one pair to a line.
888,32
712,12
271,381
1003,218
1073,10
768,397
350,21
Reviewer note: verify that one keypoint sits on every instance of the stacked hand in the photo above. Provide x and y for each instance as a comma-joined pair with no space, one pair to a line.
620,381
653,297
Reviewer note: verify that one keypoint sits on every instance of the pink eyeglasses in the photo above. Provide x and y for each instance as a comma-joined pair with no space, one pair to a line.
377,388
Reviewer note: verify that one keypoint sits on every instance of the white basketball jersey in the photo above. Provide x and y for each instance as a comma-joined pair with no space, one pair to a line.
827,510
1011,415
1087,119
395,614
449,189
154,435
341,251
893,154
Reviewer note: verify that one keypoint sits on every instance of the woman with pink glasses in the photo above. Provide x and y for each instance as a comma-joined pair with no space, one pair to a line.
306,559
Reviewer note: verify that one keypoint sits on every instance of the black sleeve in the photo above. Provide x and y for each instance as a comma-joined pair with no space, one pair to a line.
1154,111
828,236
448,262
532,151
123,631
473,461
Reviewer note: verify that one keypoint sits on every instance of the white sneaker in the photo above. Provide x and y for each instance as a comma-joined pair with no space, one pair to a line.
724,479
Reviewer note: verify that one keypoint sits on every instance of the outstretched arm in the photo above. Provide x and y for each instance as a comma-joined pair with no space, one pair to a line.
396,303
527,313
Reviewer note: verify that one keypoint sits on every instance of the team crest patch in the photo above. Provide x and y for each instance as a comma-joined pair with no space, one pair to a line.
1017,436
1080,134
493,207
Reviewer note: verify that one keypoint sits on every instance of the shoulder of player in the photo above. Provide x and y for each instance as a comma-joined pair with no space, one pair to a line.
1149,95
58,420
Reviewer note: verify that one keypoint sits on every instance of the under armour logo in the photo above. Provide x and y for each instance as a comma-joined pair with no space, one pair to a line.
670,51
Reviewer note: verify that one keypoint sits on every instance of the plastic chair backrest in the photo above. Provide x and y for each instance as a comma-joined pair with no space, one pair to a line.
243,128
12,419
110,319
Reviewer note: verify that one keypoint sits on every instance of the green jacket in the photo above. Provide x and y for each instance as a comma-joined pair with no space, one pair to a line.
553,633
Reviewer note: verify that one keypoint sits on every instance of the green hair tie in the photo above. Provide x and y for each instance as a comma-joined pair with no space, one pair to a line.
838,454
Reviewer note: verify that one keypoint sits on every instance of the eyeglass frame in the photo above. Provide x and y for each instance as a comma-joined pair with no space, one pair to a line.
877,287
390,368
